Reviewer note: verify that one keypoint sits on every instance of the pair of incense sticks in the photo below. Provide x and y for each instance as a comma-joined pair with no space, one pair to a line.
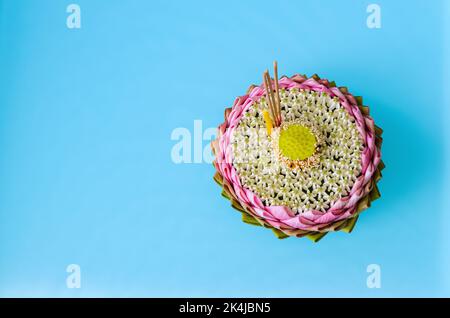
273,100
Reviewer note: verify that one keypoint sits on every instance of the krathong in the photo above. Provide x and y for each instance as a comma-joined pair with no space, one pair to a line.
299,155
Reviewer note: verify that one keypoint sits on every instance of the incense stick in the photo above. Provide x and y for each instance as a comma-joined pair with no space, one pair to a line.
269,95
273,100
277,92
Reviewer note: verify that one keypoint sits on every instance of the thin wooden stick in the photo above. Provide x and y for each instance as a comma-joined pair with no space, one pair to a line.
272,98
275,99
277,93
269,95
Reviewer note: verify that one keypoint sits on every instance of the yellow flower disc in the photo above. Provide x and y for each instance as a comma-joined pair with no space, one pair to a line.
297,142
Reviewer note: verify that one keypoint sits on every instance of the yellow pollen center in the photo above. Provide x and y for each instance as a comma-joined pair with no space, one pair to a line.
297,142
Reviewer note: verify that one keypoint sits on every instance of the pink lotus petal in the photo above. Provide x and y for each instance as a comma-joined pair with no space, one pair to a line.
280,212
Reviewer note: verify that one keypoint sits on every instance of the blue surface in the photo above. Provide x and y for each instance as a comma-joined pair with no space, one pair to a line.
86,174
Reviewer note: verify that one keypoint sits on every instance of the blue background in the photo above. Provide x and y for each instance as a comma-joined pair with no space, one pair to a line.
86,174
